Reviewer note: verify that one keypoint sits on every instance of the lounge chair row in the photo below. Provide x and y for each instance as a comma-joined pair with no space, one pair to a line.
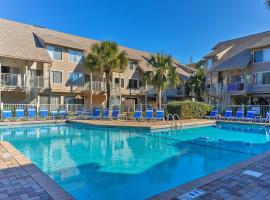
32,113
239,115
98,114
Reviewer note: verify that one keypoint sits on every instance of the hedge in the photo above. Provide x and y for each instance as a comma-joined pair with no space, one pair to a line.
188,109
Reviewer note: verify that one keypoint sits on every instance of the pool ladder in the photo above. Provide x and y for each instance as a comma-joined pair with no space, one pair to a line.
174,117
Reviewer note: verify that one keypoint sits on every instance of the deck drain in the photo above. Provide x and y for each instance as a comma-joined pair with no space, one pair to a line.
6,155
252,173
191,194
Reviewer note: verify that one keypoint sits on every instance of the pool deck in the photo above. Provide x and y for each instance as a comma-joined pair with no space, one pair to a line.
20,179
229,184
147,124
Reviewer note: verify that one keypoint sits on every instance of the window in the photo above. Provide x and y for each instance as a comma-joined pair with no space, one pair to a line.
55,100
209,63
75,78
69,100
35,72
119,82
9,70
86,78
133,65
133,84
74,56
56,77
44,100
262,55
262,78
55,52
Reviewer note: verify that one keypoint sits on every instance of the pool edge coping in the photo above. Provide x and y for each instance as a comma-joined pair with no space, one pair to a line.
173,193
54,190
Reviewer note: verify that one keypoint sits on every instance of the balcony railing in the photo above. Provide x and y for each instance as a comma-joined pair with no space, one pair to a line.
236,87
14,80
39,82
95,86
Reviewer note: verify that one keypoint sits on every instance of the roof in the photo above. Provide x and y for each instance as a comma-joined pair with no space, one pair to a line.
27,42
234,54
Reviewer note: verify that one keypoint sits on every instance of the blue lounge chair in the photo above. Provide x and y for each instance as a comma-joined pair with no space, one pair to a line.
44,113
116,113
31,113
149,114
137,115
227,114
250,115
54,114
106,113
19,113
63,114
96,114
160,114
6,114
213,114
267,117
239,115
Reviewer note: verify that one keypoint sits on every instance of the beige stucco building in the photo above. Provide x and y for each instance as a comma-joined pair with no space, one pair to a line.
238,71
43,66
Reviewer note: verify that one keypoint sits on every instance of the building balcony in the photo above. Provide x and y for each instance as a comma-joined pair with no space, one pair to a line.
12,80
95,86
38,82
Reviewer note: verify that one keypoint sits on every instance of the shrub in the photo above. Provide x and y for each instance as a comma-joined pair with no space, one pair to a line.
189,109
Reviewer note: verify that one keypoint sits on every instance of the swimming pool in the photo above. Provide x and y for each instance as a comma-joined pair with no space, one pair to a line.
93,162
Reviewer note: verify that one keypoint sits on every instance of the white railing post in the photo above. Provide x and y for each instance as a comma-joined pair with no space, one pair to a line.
2,105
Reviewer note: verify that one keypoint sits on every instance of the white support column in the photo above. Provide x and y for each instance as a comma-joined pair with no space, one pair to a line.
0,81
91,89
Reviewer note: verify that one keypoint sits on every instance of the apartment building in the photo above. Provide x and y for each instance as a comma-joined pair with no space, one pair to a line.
43,66
238,71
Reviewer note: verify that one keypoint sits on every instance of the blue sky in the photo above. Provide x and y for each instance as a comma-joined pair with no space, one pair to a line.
182,28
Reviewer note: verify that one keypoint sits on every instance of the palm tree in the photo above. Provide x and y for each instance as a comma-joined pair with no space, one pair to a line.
268,3
196,83
164,74
105,58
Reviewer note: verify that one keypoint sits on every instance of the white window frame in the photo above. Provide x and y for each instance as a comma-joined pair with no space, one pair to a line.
76,54
71,72
51,55
52,76
261,73
263,55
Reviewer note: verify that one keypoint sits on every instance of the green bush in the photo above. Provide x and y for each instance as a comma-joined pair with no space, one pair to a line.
188,109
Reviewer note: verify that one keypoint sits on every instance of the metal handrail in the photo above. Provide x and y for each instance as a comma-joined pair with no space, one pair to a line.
178,117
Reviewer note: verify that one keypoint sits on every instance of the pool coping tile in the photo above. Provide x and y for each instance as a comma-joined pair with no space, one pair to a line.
54,190
205,180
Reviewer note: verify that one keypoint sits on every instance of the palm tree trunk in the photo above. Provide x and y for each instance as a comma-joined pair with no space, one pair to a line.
159,98
108,91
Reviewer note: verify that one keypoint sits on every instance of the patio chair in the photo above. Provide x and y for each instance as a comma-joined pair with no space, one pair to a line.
227,114
63,114
149,114
106,113
19,113
267,117
6,114
96,114
137,115
44,113
31,113
250,115
213,114
116,113
239,115
160,114
54,114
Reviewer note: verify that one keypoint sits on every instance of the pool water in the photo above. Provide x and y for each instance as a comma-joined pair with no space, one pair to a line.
127,163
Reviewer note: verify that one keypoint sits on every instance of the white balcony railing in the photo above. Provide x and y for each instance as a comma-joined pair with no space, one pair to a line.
95,86
39,82
14,80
